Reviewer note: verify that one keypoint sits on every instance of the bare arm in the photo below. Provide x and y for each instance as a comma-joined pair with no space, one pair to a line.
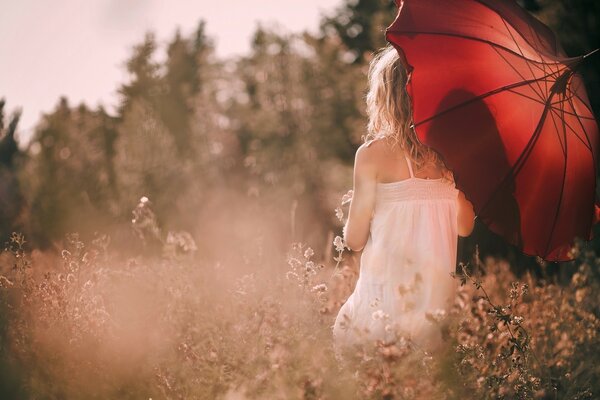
356,230
466,215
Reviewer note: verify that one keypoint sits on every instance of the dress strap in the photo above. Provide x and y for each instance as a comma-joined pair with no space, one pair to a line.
409,166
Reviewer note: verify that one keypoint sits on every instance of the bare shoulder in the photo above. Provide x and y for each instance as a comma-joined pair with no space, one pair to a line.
367,159
370,151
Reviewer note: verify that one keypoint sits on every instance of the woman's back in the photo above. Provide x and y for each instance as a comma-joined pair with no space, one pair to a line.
407,260
392,165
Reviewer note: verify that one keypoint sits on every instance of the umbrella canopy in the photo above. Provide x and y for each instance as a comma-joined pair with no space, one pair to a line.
496,96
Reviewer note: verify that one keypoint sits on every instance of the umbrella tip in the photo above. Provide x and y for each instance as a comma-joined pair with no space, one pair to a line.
590,53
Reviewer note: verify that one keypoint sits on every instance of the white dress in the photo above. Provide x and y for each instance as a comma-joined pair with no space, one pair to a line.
405,265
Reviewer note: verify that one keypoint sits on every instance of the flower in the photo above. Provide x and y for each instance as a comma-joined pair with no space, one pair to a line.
347,197
339,244
310,267
339,213
309,253
319,288
291,275
182,240
436,315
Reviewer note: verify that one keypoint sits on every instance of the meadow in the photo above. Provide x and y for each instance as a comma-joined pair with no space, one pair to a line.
86,324
185,245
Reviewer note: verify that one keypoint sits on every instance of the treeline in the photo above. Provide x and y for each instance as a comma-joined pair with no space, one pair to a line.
257,147
214,144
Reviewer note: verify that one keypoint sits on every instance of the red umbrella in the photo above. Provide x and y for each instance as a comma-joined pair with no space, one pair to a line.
495,95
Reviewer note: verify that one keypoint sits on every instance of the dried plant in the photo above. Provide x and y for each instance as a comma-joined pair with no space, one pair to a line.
87,324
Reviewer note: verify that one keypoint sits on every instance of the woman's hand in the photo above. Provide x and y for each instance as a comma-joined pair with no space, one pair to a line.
466,215
596,217
362,200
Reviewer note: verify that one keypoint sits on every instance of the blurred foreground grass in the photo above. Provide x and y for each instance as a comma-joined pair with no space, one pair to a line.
85,324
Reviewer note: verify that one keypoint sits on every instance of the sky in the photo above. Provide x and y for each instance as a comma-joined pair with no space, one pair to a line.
78,48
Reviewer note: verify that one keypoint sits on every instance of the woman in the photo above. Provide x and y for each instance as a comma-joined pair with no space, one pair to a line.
406,215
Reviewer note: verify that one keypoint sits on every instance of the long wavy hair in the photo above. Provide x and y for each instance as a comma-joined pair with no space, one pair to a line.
390,113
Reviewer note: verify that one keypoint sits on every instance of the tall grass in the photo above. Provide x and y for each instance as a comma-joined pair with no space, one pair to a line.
84,324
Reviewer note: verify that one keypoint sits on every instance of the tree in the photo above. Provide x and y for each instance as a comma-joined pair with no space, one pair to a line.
361,25
144,73
69,175
11,199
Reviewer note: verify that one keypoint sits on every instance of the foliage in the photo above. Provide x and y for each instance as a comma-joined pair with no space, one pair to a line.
189,296
88,324
11,200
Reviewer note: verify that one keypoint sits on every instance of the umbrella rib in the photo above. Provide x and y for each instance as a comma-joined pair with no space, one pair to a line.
516,167
523,55
587,145
527,97
584,131
573,114
533,31
562,100
553,113
514,27
480,97
545,71
521,50
594,163
565,96
584,103
555,48
557,130
533,45
543,103
562,189
517,72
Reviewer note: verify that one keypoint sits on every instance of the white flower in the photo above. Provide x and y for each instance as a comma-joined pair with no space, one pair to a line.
339,244
436,315
291,275
183,240
339,213
319,288
309,253
347,197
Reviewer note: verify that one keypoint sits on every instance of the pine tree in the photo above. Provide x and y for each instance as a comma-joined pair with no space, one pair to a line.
11,199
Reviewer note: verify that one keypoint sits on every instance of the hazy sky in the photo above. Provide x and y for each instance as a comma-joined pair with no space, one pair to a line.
77,48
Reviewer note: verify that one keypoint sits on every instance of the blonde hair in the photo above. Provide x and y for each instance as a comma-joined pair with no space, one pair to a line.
389,109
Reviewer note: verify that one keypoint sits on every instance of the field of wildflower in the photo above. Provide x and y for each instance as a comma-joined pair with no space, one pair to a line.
87,324
183,241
